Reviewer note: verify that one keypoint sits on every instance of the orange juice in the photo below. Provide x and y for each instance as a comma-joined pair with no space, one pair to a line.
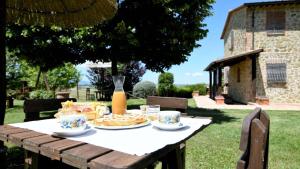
119,102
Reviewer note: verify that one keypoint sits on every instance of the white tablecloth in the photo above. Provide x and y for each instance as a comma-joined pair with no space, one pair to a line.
138,141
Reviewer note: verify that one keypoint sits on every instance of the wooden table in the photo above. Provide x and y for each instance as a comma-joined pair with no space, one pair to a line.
83,155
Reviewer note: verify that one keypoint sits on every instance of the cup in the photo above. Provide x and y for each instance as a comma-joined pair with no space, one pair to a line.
153,108
73,121
153,111
144,108
169,117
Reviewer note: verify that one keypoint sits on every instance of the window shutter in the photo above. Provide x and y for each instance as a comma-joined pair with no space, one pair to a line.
275,20
276,73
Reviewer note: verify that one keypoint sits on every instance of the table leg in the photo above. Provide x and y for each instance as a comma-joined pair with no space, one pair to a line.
152,166
174,159
36,161
33,160
183,153
164,163
3,155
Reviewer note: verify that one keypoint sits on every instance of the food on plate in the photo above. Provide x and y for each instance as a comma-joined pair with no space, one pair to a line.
91,110
120,120
169,117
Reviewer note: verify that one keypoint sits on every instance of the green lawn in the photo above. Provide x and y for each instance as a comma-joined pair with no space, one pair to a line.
217,145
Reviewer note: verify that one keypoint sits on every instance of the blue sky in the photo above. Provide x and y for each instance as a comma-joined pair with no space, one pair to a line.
211,48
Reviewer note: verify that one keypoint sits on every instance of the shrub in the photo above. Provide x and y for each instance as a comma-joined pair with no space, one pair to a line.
144,89
183,91
165,84
41,94
187,90
201,87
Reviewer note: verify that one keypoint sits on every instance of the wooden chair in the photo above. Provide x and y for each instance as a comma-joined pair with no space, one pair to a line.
181,105
255,141
33,107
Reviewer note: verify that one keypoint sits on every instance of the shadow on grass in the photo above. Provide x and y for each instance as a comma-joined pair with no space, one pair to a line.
15,158
217,116
133,106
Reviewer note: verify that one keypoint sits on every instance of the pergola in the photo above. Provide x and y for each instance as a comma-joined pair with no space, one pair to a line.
215,69
64,13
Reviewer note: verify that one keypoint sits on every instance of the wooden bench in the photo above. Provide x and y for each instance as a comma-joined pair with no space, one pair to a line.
179,104
32,108
254,142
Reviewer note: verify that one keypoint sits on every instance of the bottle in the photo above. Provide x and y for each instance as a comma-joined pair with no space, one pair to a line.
119,105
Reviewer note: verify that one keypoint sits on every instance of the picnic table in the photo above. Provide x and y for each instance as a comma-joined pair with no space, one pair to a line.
81,154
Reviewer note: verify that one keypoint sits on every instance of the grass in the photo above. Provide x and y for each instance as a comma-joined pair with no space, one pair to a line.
217,146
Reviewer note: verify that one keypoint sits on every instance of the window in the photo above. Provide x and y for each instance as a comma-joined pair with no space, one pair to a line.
253,68
231,41
275,22
238,75
276,73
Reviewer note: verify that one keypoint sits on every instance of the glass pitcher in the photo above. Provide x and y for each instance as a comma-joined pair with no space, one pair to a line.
119,98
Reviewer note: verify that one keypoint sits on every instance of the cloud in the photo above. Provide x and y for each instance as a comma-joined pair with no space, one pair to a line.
194,74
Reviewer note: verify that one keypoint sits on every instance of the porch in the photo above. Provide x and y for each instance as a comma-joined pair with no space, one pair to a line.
216,72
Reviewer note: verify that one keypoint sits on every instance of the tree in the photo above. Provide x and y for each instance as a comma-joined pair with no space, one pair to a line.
166,84
133,73
101,78
13,74
63,77
45,47
18,70
159,33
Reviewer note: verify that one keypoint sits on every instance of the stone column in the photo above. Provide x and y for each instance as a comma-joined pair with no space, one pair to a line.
219,77
215,83
210,85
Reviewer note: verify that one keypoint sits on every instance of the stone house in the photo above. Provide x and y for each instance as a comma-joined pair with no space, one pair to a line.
261,54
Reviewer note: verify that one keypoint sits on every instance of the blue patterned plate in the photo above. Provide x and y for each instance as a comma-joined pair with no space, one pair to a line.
162,126
71,132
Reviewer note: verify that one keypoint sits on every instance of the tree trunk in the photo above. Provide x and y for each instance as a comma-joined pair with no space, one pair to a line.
46,81
2,78
77,90
38,78
2,62
114,67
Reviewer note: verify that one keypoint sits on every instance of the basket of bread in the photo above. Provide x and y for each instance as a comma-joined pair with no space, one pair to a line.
98,115
91,110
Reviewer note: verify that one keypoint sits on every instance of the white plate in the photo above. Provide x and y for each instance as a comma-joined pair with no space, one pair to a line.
123,127
161,126
71,132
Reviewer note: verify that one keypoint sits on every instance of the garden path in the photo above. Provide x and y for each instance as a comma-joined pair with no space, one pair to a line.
207,103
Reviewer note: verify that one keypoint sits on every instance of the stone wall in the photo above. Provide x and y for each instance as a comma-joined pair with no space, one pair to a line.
284,48
237,26
241,91
278,48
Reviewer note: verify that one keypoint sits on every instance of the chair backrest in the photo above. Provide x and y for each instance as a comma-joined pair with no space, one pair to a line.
254,141
33,107
179,104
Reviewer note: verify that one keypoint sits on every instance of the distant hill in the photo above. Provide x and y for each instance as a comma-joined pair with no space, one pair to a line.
84,83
